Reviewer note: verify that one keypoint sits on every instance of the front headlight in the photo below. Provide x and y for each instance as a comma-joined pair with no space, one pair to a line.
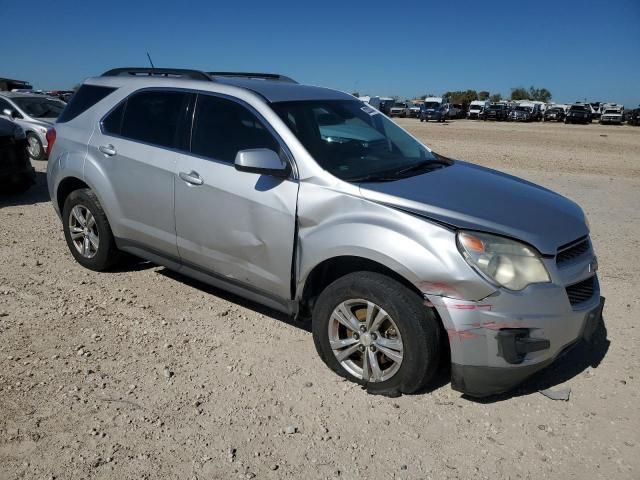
506,262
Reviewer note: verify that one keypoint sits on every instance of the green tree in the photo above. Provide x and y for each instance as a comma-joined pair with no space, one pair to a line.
519,93
483,95
541,94
463,97
533,93
496,97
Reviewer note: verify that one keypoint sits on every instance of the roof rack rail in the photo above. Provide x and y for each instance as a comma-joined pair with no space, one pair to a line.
254,75
157,72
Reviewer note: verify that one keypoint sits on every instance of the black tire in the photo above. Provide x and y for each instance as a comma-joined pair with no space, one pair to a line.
419,329
40,154
107,254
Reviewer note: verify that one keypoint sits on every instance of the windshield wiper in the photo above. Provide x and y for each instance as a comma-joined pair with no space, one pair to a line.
424,165
372,178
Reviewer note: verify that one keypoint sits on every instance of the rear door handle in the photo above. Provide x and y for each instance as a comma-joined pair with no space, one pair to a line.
192,177
108,150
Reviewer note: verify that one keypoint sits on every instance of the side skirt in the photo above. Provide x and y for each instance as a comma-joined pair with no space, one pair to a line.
288,307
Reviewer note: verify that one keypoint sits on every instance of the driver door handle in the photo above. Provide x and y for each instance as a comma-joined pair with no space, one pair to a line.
108,150
192,177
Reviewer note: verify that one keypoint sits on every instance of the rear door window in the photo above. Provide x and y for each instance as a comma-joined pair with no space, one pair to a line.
154,116
223,127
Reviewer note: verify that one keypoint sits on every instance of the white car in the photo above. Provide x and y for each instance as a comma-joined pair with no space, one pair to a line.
35,114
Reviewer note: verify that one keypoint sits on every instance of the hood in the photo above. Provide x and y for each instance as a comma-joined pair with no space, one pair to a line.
468,196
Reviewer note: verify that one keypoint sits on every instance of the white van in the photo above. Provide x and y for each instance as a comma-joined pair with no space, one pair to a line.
477,108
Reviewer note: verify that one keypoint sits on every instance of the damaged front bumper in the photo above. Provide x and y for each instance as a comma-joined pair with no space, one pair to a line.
500,341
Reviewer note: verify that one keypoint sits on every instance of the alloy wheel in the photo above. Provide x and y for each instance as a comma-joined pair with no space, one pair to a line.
84,231
33,147
365,340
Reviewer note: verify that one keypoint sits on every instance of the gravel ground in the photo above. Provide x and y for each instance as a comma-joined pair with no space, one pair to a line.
141,373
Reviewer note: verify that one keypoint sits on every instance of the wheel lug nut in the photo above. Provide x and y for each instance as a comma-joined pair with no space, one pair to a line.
356,336
373,336
372,348
361,348
363,328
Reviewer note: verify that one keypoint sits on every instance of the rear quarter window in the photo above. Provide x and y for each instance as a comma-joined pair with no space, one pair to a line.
85,98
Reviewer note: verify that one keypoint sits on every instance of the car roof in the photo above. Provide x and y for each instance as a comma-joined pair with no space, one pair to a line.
17,94
276,89
22,95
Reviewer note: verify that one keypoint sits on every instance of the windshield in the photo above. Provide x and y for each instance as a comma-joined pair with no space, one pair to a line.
400,105
476,107
611,111
431,105
522,109
578,108
40,107
355,142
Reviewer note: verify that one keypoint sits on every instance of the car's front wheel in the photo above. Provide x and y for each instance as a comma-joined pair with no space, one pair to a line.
34,147
87,231
372,330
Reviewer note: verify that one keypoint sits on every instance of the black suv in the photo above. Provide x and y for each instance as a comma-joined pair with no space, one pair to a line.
554,114
16,172
633,117
496,111
578,114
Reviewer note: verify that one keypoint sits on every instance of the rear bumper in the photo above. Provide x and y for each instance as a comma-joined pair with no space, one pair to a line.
498,342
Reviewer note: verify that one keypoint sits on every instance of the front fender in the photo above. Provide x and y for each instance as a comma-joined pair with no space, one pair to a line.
334,223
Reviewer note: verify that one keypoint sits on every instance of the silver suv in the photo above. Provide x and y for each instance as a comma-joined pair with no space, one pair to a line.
315,204
35,114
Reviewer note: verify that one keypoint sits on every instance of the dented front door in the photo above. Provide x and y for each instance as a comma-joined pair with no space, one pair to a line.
237,225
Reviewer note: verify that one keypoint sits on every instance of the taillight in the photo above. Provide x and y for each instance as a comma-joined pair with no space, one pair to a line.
51,139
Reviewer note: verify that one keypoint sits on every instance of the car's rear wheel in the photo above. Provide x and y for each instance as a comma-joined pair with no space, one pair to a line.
374,331
34,147
87,231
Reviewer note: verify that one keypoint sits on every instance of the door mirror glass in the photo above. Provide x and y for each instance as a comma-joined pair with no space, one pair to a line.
262,161
9,113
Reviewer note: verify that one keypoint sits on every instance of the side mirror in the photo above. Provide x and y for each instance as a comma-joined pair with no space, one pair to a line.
9,113
262,161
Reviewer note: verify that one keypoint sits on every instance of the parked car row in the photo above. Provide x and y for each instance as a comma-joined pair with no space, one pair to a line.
440,109
435,108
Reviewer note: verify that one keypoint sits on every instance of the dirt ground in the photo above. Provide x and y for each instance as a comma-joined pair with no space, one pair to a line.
141,373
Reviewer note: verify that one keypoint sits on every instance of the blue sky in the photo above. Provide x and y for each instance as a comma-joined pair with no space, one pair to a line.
576,49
